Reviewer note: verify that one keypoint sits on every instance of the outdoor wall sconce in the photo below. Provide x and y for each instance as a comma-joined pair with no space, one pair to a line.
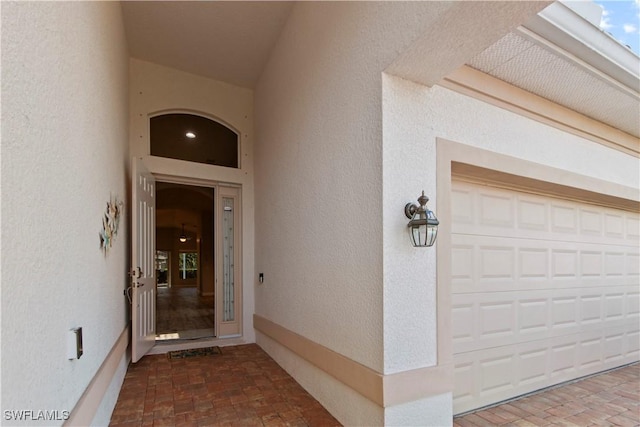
423,227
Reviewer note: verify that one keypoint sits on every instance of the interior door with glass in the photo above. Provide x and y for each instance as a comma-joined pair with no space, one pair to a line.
228,295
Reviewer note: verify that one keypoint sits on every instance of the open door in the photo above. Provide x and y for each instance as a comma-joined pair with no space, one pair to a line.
228,263
143,228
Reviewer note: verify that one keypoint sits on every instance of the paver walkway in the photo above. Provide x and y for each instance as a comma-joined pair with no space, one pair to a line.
609,399
242,386
245,387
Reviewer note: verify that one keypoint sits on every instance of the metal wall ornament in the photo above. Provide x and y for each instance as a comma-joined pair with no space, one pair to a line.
110,223
423,227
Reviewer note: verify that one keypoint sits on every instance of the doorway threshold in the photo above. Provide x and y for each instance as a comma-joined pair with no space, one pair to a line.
165,346
190,334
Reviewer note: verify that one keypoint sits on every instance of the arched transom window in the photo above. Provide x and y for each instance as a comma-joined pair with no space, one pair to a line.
194,139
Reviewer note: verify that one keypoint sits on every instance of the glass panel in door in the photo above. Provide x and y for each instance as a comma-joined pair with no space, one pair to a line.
228,271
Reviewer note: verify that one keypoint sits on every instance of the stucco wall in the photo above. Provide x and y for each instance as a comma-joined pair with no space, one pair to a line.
318,185
320,166
319,171
64,153
155,89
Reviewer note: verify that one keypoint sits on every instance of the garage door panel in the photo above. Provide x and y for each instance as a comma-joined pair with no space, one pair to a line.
633,342
564,218
590,222
536,362
495,376
614,306
497,262
462,322
463,206
543,291
632,227
591,263
633,265
538,217
564,263
633,305
591,308
590,353
497,210
465,382
614,225
563,360
500,373
532,215
507,318
533,315
533,263
482,264
564,312
496,320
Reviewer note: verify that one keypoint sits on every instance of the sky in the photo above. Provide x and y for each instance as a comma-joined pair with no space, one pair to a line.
621,18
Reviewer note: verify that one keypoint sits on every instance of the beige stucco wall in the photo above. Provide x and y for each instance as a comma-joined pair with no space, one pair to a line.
321,201
341,149
64,154
318,187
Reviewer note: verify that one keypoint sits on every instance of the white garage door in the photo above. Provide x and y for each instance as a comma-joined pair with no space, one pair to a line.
543,291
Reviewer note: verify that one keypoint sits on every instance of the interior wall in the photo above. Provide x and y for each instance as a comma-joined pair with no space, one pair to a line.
64,155
154,88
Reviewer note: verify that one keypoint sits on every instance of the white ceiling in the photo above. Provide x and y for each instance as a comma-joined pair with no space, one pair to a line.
231,41
223,40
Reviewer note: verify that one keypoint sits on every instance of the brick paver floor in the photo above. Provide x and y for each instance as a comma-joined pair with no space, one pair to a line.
242,386
245,387
609,399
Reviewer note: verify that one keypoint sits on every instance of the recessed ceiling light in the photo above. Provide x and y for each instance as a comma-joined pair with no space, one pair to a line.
190,135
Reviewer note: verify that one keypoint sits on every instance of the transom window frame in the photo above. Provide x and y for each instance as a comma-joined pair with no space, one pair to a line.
199,114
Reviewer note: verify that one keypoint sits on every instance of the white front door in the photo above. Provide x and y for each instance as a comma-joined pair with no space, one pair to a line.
143,229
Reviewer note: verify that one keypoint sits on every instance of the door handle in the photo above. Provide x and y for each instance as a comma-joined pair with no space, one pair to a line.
136,274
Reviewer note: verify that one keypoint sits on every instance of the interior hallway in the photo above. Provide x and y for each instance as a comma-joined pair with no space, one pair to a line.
182,309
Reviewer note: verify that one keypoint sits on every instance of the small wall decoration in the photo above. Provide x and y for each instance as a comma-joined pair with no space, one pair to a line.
110,223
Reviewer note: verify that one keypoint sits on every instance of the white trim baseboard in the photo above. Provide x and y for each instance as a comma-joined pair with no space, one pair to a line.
88,404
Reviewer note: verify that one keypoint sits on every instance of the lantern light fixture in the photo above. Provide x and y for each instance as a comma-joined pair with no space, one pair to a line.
423,224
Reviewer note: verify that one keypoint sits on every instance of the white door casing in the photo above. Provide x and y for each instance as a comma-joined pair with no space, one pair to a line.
143,300
544,290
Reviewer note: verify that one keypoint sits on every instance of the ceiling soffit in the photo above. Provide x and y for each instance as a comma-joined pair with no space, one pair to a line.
228,41
521,60
232,41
